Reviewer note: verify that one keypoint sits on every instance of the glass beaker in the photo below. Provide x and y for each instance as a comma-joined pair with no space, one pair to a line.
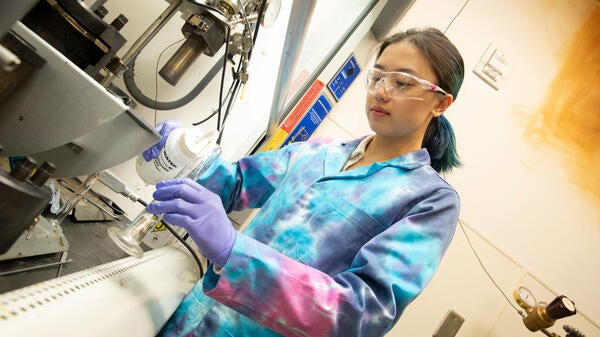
129,239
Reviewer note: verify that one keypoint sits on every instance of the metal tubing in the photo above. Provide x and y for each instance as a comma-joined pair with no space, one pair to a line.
143,40
251,19
34,267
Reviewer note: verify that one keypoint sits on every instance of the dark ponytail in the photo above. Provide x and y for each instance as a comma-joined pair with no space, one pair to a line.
440,142
449,69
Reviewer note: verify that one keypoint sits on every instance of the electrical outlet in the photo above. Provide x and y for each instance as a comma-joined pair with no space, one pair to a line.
450,325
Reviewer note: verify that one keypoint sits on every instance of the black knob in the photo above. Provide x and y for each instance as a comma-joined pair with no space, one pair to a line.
119,22
561,307
101,12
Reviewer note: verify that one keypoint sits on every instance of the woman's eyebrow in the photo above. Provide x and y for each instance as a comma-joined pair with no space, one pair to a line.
404,70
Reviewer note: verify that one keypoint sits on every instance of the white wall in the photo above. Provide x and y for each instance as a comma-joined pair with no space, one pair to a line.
529,223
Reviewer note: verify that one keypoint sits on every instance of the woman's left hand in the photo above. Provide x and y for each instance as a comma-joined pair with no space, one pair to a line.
164,129
187,204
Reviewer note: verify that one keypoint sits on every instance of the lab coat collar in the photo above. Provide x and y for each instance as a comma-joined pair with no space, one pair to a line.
337,155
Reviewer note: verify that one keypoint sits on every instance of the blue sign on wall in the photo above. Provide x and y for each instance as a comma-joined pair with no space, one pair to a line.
311,120
344,77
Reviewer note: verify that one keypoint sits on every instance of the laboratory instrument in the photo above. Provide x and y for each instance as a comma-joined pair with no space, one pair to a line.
64,53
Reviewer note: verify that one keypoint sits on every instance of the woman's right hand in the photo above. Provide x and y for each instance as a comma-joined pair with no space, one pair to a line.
164,129
187,204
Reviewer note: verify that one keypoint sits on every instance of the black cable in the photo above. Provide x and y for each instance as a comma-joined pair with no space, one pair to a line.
231,93
456,16
460,222
182,240
187,245
206,119
235,85
485,269
214,111
234,89
261,12
222,79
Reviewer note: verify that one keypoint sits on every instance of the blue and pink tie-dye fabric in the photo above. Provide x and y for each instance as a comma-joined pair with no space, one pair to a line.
330,253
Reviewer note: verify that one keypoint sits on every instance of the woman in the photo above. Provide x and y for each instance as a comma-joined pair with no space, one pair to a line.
348,234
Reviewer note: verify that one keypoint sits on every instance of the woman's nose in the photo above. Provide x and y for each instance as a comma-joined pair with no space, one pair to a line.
381,89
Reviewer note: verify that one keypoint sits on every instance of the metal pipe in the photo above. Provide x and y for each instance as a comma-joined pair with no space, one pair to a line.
63,259
296,31
34,267
251,19
143,40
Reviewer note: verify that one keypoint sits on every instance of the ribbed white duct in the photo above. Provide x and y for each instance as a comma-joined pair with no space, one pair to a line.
129,297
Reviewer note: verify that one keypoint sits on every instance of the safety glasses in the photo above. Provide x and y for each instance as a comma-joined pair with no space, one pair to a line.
400,84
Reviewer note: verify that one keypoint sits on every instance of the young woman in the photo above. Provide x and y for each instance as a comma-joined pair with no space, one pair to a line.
348,234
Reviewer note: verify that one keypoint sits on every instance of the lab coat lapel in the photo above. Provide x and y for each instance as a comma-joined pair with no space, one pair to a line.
336,157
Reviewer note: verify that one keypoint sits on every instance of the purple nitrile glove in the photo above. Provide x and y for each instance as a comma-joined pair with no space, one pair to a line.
187,204
164,129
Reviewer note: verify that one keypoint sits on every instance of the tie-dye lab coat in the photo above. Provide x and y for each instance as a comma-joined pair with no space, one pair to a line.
330,253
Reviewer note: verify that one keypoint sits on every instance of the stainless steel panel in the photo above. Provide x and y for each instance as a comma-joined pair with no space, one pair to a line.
11,11
110,144
57,103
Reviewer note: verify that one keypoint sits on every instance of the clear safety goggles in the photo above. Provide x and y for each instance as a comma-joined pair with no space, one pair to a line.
400,84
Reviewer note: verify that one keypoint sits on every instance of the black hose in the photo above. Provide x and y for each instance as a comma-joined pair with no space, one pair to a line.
261,12
222,80
134,90
182,240
187,245
234,89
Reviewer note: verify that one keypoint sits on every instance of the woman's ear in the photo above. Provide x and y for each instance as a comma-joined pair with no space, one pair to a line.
442,105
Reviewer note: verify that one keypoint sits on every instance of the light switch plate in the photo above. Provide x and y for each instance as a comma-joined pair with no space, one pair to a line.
493,67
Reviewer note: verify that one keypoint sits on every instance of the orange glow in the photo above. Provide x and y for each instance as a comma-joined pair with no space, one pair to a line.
570,118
